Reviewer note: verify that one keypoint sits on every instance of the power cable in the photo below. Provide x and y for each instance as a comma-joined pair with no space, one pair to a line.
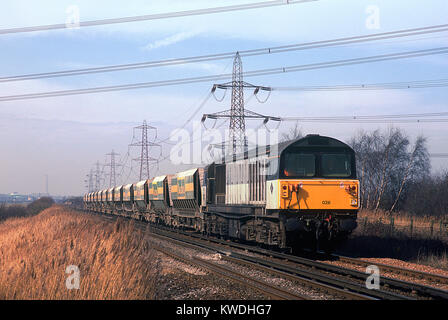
367,117
158,16
229,55
271,71
199,108
375,86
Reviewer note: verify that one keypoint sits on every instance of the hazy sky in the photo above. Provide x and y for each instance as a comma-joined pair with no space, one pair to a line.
64,136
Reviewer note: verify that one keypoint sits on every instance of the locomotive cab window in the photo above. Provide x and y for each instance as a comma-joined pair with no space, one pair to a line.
299,165
336,165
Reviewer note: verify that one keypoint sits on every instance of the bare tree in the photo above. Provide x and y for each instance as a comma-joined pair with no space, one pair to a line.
386,165
292,134
417,166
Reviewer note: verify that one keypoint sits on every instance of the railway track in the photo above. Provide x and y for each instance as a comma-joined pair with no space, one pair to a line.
384,268
251,264
315,279
321,276
267,289
435,278
414,290
411,289
339,292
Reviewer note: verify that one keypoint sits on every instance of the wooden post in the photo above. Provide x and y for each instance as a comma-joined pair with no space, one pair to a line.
412,226
432,227
392,223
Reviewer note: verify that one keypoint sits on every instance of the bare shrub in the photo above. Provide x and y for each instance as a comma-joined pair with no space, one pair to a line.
20,211
12,211
39,205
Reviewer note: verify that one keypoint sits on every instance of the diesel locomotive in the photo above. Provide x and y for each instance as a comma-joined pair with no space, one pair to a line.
294,193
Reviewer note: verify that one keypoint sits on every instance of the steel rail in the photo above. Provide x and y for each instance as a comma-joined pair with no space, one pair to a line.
393,269
409,287
232,257
261,286
316,276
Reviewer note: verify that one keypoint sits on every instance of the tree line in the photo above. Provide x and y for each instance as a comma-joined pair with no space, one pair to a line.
33,208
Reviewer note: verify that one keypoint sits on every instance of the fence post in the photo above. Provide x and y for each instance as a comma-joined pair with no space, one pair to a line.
432,227
392,223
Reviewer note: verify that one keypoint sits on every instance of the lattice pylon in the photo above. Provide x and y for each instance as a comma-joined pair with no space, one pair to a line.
145,145
237,114
97,175
113,166
237,125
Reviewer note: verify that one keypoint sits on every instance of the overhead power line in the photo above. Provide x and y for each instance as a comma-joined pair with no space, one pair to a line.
384,118
230,55
368,117
271,71
354,120
374,86
158,16
438,155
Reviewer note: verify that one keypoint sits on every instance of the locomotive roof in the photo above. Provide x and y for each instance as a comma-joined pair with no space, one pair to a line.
311,140
314,140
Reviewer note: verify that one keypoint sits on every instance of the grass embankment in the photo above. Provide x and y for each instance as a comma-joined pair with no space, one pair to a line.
114,260
377,238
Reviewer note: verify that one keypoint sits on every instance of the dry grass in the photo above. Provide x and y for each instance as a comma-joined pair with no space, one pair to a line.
436,260
114,260
401,218
376,239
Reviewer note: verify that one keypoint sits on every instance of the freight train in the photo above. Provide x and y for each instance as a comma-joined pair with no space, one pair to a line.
303,191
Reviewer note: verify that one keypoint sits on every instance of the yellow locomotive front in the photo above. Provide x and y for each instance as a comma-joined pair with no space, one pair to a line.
319,194
314,189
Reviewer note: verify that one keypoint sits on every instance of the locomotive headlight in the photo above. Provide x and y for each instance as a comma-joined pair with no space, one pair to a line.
352,190
354,202
284,191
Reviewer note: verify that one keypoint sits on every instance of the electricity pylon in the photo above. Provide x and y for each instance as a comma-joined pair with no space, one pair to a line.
145,145
237,113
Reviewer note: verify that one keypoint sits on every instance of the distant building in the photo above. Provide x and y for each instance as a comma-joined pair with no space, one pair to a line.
16,198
